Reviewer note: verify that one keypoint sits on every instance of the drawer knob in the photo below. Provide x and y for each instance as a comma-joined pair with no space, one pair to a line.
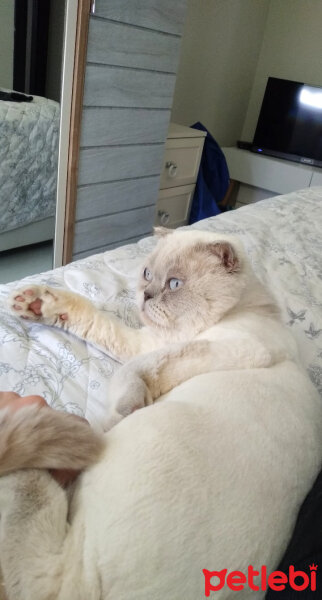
164,217
172,168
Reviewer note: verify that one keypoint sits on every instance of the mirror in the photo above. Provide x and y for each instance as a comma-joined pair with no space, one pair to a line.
31,55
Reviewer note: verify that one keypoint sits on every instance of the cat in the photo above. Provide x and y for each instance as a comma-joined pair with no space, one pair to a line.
189,284
209,477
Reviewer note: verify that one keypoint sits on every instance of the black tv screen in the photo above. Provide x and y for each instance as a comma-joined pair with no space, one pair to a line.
290,122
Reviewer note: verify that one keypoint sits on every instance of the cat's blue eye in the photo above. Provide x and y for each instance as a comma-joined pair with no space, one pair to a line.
147,274
174,284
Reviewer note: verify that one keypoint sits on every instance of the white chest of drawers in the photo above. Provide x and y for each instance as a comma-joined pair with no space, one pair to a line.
181,163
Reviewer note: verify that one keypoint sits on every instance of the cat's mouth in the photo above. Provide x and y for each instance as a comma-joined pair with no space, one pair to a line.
152,315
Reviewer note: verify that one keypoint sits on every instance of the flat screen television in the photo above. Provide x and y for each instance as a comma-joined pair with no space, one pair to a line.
290,122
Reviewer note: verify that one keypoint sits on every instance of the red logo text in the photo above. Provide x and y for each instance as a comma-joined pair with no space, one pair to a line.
259,580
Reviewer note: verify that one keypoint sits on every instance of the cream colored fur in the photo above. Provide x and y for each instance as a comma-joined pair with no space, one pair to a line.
41,438
210,478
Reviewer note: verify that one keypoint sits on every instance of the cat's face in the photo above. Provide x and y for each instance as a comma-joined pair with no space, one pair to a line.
189,282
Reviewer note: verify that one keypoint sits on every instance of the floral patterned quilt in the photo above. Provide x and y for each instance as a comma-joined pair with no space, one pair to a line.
283,239
29,133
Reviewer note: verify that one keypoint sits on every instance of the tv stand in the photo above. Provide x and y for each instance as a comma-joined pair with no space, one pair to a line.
270,176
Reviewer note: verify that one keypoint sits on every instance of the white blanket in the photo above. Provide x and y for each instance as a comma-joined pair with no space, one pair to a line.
283,239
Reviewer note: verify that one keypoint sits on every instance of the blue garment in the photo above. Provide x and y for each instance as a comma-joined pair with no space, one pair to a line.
213,180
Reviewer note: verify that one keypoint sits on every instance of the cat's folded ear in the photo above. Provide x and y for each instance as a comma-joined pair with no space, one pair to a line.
226,253
161,232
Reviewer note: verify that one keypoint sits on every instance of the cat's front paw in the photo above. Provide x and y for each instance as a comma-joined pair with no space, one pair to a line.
128,392
40,303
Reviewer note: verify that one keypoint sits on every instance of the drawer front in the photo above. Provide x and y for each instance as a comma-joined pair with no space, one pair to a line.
181,162
173,206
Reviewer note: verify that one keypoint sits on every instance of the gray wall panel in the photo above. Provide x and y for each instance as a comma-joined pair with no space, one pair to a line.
163,15
118,44
117,86
115,126
132,57
113,163
108,198
107,247
113,228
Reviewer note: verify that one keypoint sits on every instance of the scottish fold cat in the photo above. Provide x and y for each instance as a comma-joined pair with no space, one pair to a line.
202,308
208,475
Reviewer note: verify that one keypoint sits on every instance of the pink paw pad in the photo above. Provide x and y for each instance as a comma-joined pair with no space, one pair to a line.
28,292
35,306
63,317
17,307
19,298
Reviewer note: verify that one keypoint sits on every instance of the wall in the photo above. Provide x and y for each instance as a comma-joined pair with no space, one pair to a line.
55,50
221,44
132,58
291,49
6,43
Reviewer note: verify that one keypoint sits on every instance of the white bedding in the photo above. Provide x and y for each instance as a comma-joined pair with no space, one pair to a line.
29,134
283,239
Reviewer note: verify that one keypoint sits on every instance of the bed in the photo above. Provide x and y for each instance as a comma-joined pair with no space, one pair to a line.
29,133
283,239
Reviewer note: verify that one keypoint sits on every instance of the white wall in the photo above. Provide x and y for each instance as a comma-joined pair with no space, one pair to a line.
291,49
6,43
221,44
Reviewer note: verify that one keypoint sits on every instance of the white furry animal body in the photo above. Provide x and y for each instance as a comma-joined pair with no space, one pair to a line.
210,477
